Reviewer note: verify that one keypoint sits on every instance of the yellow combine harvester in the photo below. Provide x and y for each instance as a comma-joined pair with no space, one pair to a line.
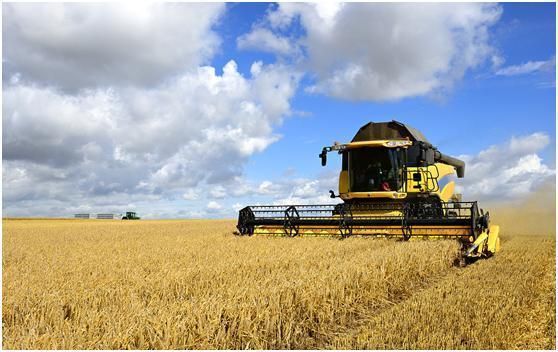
393,183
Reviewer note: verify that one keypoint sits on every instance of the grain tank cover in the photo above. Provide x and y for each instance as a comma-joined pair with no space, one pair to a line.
388,130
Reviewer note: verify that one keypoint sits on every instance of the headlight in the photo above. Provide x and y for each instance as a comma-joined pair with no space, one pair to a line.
394,144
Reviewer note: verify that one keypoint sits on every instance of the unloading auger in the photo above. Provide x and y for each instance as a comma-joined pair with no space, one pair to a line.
393,183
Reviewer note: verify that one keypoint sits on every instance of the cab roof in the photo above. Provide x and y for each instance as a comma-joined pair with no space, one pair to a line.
388,130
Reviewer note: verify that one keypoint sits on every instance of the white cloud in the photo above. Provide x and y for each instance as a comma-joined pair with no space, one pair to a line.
268,187
31,189
526,144
190,195
306,190
86,45
43,126
381,52
212,205
106,105
497,61
197,128
218,191
506,171
311,191
291,190
264,40
318,199
526,68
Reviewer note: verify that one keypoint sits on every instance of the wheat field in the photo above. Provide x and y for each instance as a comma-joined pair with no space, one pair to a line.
96,284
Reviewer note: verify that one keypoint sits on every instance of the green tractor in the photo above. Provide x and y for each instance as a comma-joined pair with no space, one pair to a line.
130,215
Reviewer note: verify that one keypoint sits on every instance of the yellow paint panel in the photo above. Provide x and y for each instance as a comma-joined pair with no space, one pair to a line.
379,143
494,239
447,192
418,232
392,195
343,182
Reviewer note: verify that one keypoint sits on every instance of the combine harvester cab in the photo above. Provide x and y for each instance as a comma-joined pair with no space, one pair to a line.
393,183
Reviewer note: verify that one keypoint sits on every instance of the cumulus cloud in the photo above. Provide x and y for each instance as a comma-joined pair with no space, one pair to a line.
291,190
507,171
190,194
200,127
108,108
218,192
527,68
213,205
73,46
311,191
38,190
43,126
264,40
381,52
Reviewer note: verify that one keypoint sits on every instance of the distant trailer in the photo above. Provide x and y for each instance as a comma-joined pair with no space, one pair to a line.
81,216
105,216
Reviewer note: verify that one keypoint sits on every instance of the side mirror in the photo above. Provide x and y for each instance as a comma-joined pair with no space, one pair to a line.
323,156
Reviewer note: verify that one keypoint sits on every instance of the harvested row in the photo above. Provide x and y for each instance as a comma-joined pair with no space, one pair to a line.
191,284
507,302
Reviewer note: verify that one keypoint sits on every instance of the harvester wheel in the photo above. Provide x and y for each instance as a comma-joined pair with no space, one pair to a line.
289,226
245,216
337,209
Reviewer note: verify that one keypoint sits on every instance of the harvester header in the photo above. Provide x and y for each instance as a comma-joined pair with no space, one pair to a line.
393,183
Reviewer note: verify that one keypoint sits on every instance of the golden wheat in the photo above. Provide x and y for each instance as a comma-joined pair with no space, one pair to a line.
507,302
191,284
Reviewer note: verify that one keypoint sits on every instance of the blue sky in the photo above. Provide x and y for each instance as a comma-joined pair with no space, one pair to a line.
477,87
483,109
